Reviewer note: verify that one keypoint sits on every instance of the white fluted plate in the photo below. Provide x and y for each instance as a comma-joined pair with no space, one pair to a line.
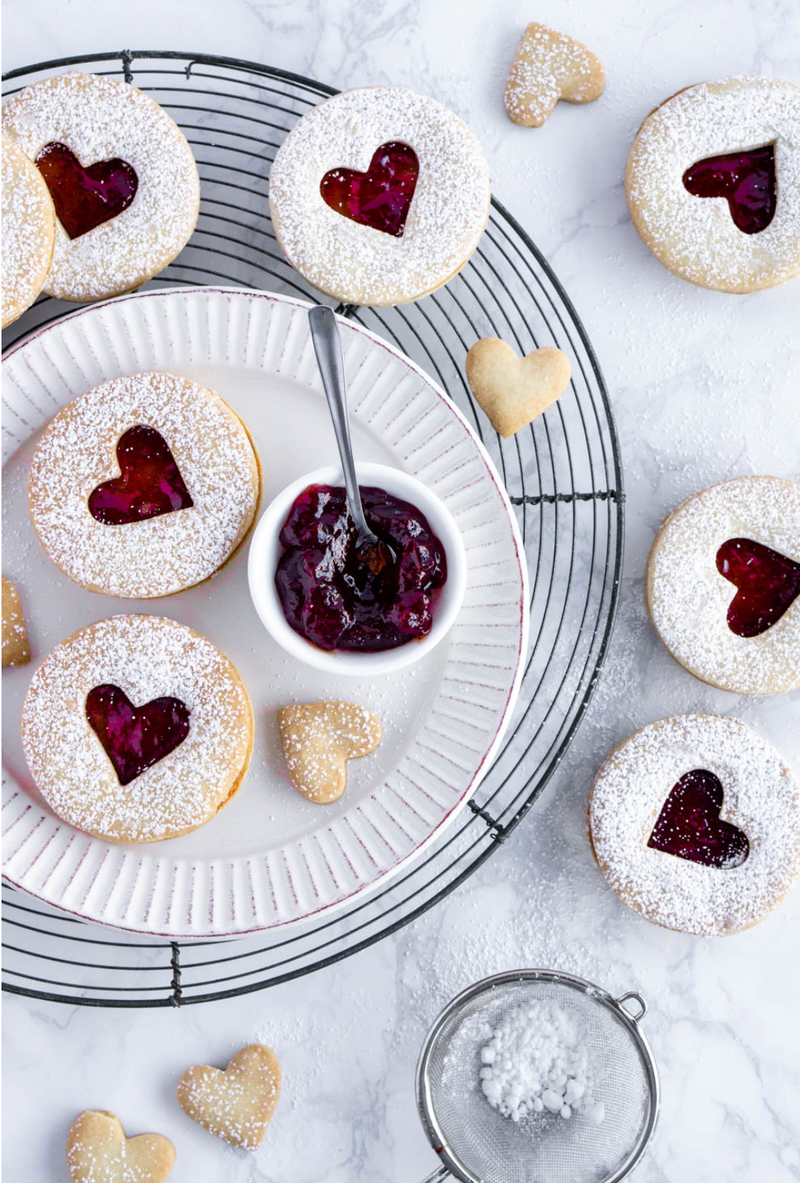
270,857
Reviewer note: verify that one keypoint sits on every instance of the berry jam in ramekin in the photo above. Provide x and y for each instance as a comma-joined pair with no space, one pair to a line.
332,598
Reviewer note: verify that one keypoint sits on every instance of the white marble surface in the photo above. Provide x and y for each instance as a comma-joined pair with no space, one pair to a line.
704,386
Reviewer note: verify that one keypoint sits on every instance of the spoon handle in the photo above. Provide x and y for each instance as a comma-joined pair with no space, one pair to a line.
328,348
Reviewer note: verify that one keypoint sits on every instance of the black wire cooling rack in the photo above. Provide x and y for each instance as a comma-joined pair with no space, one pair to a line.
563,474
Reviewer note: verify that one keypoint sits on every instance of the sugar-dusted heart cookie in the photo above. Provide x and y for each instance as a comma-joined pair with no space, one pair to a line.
237,1104
514,390
318,740
16,648
99,1152
549,66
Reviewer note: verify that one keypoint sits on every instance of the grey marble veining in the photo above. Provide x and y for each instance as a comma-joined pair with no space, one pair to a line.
704,386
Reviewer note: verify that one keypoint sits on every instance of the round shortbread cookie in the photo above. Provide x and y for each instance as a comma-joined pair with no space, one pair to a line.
147,658
761,798
696,237
29,226
101,119
161,554
688,600
357,263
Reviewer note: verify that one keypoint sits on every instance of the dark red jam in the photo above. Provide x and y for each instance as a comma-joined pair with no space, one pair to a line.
85,197
689,824
381,196
150,482
747,179
134,738
334,598
768,584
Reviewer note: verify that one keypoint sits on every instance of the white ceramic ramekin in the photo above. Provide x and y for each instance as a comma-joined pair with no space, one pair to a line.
265,550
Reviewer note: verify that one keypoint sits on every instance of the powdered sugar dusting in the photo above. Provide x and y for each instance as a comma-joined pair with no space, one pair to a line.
99,118
761,797
688,598
696,237
163,554
448,212
549,66
147,657
28,232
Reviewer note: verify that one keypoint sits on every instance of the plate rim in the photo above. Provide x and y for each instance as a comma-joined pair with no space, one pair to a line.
362,891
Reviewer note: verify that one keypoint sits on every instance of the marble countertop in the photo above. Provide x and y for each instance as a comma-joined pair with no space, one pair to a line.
704,386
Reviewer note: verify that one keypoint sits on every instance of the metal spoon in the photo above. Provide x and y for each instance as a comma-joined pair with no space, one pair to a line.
371,550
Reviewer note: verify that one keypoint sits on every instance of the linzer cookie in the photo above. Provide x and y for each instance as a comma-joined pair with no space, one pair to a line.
99,1152
723,585
137,729
236,1104
695,823
143,486
121,176
29,226
318,740
549,66
379,195
512,390
713,183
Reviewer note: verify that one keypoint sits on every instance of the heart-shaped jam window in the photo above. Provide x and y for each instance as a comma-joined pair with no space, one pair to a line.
381,196
149,484
768,584
689,824
86,197
134,738
746,179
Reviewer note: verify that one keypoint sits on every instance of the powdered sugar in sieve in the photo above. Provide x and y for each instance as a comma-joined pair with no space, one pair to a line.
535,1076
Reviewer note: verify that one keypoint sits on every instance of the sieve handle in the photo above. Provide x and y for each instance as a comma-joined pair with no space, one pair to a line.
439,1174
632,994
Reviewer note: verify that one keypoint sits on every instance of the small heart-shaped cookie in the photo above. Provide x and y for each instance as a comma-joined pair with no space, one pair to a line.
318,740
549,66
237,1104
513,390
99,1152
16,648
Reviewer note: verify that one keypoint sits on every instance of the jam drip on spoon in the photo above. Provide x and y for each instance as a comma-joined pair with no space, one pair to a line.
150,483
768,584
135,738
331,593
381,196
689,825
86,197
747,179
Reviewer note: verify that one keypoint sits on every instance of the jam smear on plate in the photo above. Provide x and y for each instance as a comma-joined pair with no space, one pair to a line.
768,584
134,738
150,483
381,196
333,597
747,179
86,197
689,825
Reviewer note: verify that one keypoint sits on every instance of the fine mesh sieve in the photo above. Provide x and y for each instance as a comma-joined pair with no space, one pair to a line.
477,1144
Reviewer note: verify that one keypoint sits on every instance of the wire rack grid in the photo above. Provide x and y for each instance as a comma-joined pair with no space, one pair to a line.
563,474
